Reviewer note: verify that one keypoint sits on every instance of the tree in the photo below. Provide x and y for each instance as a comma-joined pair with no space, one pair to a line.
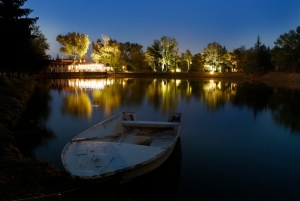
198,61
257,59
125,49
227,65
16,36
97,53
74,44
39,42
214,55
175,61
132,56
169,52
263,56
183,65
154,54
107,52
286,52
137,57
238,56
187,56
250,62
38,58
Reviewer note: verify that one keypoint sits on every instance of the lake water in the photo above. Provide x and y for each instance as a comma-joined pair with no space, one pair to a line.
239,141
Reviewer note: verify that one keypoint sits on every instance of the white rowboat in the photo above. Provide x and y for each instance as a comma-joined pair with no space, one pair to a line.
121,148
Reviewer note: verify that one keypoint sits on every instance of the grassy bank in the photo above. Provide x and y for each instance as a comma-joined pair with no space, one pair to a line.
22,177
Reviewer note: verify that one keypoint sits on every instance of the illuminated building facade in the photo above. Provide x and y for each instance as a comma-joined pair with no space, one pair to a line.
67,65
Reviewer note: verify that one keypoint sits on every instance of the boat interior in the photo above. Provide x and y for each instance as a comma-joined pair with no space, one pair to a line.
130,131
147,135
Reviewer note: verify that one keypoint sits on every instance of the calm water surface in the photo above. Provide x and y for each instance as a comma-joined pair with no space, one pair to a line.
238,141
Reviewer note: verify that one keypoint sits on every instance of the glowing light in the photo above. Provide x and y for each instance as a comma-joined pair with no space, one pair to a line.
209,87
89,83
164,86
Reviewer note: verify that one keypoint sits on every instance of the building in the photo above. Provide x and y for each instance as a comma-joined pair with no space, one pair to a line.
68,65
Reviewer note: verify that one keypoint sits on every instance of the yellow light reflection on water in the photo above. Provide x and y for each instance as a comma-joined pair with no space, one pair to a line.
178,82
89,83
164,86
78,104
211,86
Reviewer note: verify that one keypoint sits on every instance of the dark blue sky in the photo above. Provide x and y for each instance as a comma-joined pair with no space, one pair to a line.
194,23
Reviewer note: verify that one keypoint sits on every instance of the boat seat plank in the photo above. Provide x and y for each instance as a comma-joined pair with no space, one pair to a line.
149,123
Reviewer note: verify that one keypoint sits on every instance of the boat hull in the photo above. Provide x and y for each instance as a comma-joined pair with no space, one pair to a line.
117,150
142,169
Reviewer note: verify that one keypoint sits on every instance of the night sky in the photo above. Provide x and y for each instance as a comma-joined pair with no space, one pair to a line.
194,23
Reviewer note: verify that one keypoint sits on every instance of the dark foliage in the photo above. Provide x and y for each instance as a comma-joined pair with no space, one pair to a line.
17,52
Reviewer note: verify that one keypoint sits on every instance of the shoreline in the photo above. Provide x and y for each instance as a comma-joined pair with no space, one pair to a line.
270,76
271,79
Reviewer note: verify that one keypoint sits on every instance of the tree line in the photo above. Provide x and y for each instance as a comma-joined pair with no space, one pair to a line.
163,55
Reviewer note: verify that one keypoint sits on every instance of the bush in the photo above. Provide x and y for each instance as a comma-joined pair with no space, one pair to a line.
5,81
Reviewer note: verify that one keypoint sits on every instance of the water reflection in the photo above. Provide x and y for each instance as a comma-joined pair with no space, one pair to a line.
285,108
108,98
160,184
225,152
77,104
30,130
217,94
165,95
256,97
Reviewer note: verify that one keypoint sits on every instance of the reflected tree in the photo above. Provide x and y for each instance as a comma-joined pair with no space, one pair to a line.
77,104
254,96
31,130
134,89
217,94
281,103
163,94
108,98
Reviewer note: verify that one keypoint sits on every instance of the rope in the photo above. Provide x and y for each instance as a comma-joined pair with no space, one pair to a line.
49,195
